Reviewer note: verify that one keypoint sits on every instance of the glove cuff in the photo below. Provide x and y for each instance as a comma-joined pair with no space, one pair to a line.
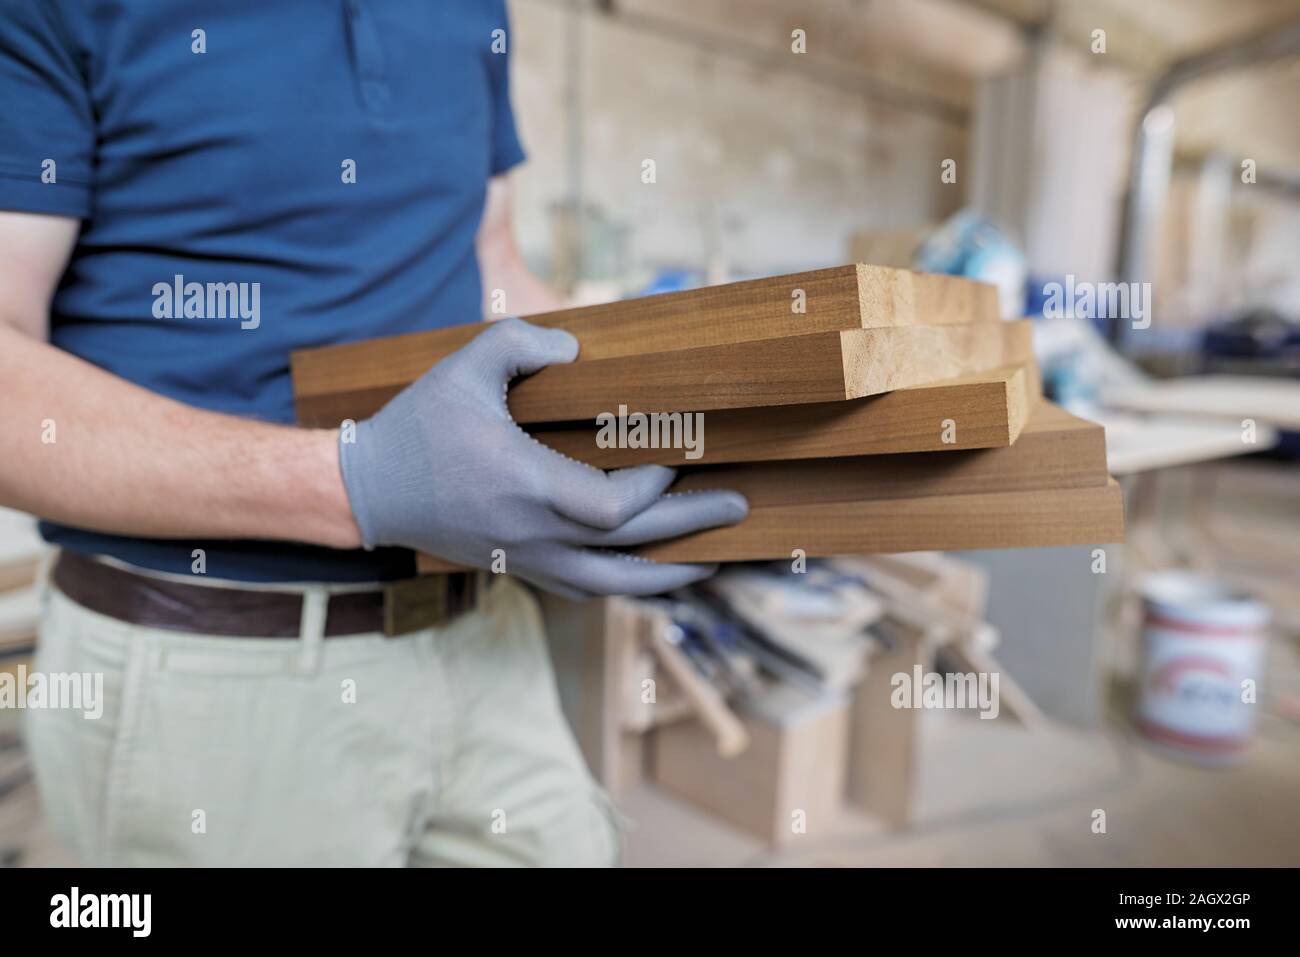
356,475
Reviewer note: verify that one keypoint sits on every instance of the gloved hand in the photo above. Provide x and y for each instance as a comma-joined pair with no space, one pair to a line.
443,468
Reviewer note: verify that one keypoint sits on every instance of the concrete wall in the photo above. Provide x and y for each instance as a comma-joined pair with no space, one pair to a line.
759,170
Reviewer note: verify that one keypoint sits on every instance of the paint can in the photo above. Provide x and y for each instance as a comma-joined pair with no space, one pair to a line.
1202,654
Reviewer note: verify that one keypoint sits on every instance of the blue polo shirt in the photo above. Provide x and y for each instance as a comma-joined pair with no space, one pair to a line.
252,178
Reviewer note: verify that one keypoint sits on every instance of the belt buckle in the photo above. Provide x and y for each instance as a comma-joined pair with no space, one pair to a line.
415,603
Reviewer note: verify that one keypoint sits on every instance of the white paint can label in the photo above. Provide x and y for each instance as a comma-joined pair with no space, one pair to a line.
1203,648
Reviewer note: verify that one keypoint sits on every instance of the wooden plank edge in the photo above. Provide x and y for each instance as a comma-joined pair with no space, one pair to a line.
933,523
995,408
1056,451
797,370
839,297
1051,517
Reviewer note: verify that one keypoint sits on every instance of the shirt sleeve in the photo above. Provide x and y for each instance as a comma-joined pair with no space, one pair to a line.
507,151
47,129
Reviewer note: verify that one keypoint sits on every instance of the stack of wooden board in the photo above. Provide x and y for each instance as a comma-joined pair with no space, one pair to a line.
860,409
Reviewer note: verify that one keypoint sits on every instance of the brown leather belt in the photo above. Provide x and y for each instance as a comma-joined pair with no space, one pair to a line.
395,608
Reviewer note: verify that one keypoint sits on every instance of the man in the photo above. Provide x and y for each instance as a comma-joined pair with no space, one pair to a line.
188,192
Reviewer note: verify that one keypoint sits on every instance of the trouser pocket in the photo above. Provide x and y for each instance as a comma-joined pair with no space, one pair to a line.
72,748
234,756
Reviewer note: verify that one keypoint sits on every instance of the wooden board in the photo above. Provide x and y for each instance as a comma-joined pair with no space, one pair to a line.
819,367
590,644
939,523
1075,516
1139,442
793,771
883,740
989,410
1014,702
951,591
710,707
1056,450
1268,401
845,297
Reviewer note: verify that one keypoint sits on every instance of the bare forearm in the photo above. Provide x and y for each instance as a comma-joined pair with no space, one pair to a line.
509,288
81,446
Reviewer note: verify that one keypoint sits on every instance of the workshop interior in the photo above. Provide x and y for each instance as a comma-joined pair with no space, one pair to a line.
991,309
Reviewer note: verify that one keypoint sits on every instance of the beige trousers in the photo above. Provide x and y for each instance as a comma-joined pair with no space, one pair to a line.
444,747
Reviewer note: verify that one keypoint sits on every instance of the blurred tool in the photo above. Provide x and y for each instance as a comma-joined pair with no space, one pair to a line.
970,245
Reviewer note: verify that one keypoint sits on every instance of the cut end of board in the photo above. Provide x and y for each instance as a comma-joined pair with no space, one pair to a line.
1020,402
887,296
882,360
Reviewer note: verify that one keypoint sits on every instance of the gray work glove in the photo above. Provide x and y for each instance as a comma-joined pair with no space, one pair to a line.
443,468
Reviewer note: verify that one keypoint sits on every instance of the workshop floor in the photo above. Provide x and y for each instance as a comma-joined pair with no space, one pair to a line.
992,794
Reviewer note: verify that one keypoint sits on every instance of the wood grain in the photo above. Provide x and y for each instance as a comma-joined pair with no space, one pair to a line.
988,409
844,297
1056,450
819,367
823,367
1074,516
1078,516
